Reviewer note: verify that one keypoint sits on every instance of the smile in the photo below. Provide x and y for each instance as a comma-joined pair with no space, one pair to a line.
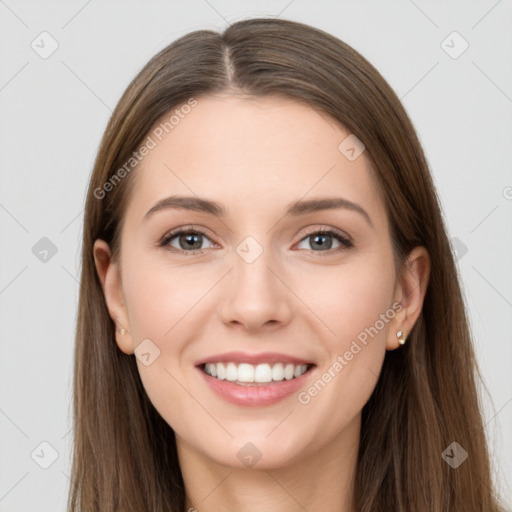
250,374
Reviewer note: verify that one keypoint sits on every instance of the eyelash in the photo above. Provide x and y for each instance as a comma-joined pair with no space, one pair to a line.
338,235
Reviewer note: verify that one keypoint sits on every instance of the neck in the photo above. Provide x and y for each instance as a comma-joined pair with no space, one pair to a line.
323,480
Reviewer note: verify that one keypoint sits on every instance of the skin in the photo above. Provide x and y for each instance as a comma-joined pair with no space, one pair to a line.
255,156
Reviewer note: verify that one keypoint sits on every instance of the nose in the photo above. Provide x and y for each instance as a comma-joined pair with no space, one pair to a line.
255,295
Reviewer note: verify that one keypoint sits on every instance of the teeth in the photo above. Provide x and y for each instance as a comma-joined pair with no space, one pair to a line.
231,372
278,372
260,373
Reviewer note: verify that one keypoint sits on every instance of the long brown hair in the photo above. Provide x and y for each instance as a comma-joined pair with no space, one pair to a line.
124,456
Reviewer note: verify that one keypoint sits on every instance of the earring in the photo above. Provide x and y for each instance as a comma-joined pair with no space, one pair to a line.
122,330
401,340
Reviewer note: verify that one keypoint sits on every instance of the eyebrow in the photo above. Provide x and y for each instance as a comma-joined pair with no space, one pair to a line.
300,207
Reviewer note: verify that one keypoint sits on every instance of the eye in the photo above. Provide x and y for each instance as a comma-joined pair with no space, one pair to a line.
190,241
185,240
322,239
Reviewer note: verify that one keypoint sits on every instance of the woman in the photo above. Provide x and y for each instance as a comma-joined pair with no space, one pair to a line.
270,316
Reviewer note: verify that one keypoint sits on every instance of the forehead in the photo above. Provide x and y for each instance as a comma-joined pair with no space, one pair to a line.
251,154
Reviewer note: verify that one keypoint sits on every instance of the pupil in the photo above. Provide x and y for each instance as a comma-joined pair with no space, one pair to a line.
189,239
324,245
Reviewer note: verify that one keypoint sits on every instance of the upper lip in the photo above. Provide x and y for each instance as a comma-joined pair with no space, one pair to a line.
242,357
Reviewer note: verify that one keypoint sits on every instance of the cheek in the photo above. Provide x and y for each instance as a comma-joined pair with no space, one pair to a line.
166,305
353,303
158,296
347,298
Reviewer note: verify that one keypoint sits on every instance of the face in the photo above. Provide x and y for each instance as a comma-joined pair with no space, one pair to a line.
268,286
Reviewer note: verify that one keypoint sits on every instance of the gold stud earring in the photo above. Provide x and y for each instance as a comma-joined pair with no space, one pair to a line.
123,330
401,339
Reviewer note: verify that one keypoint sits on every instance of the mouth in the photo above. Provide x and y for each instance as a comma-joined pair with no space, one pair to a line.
255,380
262,374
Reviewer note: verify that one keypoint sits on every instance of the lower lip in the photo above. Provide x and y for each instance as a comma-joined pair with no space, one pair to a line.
255,396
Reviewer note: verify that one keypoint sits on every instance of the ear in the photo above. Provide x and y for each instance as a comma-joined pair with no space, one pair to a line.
410,293
110,278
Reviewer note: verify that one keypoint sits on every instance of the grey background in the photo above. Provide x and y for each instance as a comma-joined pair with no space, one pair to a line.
53,113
